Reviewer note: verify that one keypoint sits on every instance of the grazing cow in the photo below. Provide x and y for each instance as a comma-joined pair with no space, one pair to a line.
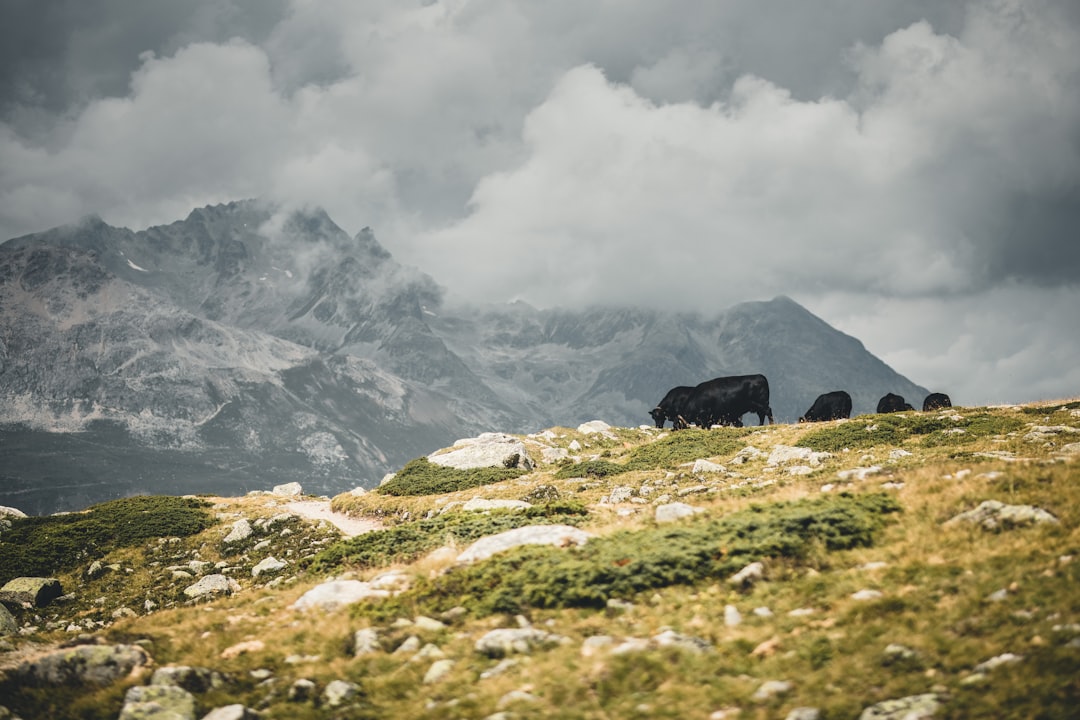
830,406
892,403
936,401
724,400
672,407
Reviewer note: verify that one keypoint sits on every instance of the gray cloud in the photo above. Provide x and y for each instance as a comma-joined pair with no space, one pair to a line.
913,159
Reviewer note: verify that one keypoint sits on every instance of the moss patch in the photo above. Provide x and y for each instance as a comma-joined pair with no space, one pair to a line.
421,477
48,545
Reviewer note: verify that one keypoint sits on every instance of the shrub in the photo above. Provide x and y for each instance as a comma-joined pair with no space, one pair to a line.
591,468
420,477
686,446
874,430
46,545
624,564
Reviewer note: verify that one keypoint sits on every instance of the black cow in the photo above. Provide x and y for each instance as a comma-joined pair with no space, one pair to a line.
672,407
724,400
830,406
936,401
892,403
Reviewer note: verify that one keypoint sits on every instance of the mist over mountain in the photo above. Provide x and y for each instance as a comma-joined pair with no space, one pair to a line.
248,345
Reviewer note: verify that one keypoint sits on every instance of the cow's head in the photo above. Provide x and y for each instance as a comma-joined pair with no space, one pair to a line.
659,416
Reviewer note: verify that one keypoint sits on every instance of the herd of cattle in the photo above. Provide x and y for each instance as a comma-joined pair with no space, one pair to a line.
724,400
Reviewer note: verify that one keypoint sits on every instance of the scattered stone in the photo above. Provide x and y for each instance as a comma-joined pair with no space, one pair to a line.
248,646
763,612
998,595
998,661
438,671
212,585
801,612
408,646
337,594
594,426
895,653
631,645
574,446
485,450
620,494
672,512
866,595
748,576
800,470
192,679
241,530
292,489
898,454
913,707
30,591
301,690
747,454
268,565
366,642
783,454
732,616
592,645
8,624
231,712
553,455
772,688
995,515
670,638
158,702
508,641
395,580
875,565
706,466
339,692
558,535
501,667
516,696
803,713
859,473
82,664
482,504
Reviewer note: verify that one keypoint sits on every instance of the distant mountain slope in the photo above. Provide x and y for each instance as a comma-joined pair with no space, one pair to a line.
245,346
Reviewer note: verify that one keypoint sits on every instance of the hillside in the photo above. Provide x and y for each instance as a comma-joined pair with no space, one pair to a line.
245,346
911,565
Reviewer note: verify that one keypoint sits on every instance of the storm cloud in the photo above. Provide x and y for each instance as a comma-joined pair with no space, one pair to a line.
910,172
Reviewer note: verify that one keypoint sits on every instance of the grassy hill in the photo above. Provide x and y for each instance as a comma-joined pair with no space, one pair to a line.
869,589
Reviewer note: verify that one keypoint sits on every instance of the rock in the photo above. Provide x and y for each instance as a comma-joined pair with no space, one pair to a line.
706,466
301,690
268,565
241,530
480,504
508,641
499,668
998,661
338,593
670,638
593,644
35,591
242,648
366,641
192,679
574,446
866,595
11,512
620,494
82,664
895,653
771,688
516,696
898,453
558,535
552,455
339,692
672,512
783,454
230,712
394,580
995,515
212,585
424,623
913,707
594,426
748,576
438,671
158,702
485,450
292,489
859,473
803,713
693,490
747,454
409,646
732,616
386,478
8,624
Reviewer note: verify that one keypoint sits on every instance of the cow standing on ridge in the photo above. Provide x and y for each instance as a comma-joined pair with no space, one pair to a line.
723,400
829,406
891,403
936,401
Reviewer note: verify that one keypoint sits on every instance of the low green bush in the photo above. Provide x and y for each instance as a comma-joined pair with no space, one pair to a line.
686,446
624,564
869,431
421,477
590,469
43,546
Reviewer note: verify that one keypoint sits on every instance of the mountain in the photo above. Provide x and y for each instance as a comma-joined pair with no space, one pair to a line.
247,346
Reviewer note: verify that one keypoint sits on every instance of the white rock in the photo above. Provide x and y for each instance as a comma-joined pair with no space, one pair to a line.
670,638
438,670
763,612
230,712
593,426
706,466
358,492
11,512
898,453
592,645
551,455
800,470
212,585
866,595
481,504
508,641
574,446
749,575
732,616
771,688
339,692
998,661
292,489
485,450
558,535
268,565
675,511
994,515
241,530
782,454
338,593
366,641
395,580
386,478
859,473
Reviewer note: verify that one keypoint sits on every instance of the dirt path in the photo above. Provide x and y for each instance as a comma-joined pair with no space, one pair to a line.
320,510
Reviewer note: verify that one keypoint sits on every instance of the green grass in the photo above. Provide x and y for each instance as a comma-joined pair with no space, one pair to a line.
421,477
686,446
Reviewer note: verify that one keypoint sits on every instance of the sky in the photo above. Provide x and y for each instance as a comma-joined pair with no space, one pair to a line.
910,172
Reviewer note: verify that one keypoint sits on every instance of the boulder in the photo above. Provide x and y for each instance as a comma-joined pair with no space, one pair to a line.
913,707
558,535
82,665
485,450
336,594
782,454
35,591
11,512
231,712
268,565
158,702
507,641
671,512
292,489
8,624
594,426
212,585
339,692
995,515
366,641
241,530
192,679
438,671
